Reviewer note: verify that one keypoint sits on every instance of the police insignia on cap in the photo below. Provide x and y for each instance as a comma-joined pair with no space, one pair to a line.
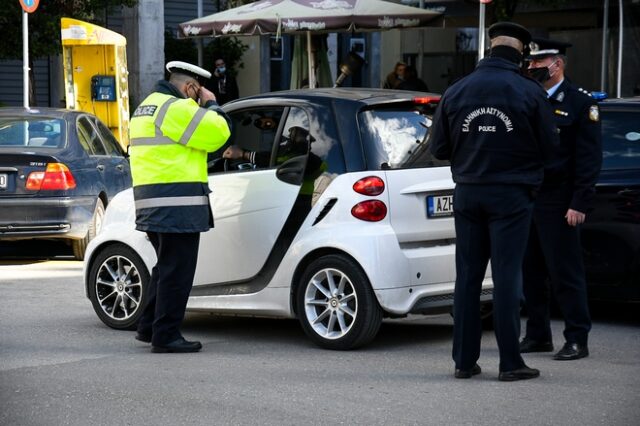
594,113
540,48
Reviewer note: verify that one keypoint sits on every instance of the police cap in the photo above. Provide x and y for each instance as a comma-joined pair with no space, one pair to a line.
179,67
543,47
510,29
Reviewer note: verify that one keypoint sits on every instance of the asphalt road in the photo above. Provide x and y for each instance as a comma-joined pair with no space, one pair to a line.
60,366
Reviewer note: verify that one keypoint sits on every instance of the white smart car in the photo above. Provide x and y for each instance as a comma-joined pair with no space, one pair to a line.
343,218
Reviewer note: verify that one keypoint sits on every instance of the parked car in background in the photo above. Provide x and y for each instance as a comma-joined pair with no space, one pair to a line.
59,169
611,234
345,219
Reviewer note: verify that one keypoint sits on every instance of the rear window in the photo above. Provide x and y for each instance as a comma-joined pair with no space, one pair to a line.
620,139
32,132
396,138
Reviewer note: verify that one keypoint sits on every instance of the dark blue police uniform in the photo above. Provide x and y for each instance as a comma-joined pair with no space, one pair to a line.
554,247
496,126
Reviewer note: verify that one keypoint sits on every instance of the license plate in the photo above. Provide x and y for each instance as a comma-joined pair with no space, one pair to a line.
439,205
3,181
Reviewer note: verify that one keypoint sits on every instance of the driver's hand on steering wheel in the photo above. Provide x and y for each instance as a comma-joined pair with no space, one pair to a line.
233,153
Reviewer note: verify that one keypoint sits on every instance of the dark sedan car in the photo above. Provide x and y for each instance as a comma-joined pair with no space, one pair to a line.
58,171
611,234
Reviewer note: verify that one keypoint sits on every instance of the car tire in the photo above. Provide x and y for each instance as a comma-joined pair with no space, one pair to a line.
80,246
336,305
118,282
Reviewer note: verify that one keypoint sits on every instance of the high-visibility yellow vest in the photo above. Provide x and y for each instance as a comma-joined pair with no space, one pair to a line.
170,138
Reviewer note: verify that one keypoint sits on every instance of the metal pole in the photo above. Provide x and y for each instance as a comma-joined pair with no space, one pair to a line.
620,44
605,47
420,60
311,61
199,41
481,31
25,59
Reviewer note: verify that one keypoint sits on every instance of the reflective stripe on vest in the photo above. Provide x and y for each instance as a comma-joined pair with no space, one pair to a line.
188,201
160,139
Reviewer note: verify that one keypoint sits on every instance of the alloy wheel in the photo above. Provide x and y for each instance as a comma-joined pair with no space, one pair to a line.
118,288
330,303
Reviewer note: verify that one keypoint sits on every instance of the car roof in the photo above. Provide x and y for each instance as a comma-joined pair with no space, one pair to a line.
631,101
363,95
36,111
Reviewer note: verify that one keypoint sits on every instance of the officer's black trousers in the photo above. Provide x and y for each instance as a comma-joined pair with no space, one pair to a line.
170,285
492,222
554,251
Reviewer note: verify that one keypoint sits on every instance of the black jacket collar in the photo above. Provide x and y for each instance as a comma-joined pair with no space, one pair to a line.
167,88
494,62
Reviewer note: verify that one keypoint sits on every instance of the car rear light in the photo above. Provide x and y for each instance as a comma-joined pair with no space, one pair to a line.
370,185
426,100
370,210
57,176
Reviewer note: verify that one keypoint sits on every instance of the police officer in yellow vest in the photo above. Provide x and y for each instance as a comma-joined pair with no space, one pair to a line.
172,131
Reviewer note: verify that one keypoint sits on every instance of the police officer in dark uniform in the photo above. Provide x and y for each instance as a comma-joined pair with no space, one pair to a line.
554,247
496,126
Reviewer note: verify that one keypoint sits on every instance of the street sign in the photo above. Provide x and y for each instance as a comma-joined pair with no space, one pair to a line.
29,6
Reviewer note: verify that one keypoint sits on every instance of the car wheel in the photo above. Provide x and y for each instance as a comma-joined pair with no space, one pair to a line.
118,279
335,304
80,246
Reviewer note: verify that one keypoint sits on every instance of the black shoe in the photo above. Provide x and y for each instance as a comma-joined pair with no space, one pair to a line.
177,346
529,345
465,374
146,338
572,351
523,373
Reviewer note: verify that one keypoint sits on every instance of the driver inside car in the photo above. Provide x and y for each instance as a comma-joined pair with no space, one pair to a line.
292,146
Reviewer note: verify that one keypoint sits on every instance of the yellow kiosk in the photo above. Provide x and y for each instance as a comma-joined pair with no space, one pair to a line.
95,74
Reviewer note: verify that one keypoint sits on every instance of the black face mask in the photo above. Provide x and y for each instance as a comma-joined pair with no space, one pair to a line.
540,74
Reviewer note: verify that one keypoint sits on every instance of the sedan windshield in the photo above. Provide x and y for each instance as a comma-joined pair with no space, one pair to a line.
34,132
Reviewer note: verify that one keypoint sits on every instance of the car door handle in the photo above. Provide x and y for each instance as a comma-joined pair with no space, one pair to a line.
100,167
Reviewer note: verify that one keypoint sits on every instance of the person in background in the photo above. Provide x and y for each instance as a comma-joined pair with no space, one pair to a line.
496,127
222,83
411,81
172,131
394,77
554,249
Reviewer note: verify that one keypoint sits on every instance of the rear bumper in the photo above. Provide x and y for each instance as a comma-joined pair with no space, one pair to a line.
425,299
52,217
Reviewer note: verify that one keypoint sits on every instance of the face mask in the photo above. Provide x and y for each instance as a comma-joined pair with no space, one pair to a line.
541,74
221,70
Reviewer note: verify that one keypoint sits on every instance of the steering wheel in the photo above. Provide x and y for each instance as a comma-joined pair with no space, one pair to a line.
218,165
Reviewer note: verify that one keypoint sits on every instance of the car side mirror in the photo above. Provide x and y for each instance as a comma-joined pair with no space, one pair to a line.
292,170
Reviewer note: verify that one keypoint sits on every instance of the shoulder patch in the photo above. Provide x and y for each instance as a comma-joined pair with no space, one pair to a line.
145,110
594,113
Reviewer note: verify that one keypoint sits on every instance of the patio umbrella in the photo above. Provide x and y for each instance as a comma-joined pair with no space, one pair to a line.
307,17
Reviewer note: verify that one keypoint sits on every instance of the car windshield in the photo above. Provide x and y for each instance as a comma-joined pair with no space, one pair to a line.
397,137
33,132
620,140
